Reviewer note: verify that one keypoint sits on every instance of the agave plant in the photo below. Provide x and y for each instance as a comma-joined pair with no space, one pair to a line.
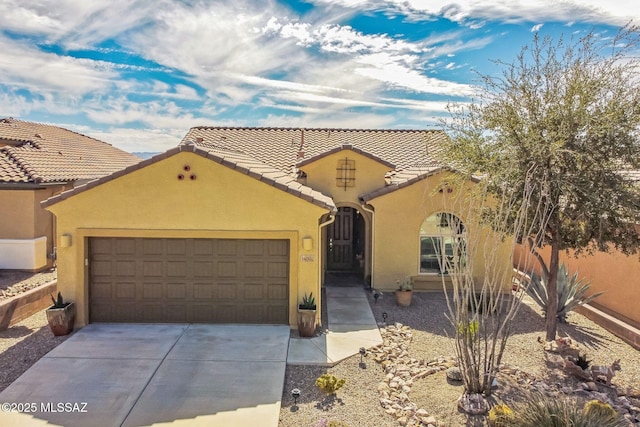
571,292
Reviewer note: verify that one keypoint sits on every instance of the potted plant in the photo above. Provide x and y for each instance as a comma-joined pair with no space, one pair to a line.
404,292
307,316
61,316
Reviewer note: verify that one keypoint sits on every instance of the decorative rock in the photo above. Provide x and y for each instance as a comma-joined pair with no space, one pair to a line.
473,404
429,420
591,386
454,374
403,421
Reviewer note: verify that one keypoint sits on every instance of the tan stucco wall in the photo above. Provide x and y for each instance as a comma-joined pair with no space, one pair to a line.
24,218
369,174
398,217
18,214
219,203
615,273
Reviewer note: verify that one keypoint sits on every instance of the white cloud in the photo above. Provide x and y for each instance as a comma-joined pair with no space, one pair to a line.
536,28
613,12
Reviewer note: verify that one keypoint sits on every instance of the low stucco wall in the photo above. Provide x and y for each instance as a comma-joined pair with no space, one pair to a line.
23,254
616,274
18,308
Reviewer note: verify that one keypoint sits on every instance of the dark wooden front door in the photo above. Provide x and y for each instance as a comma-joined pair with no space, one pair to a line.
340,241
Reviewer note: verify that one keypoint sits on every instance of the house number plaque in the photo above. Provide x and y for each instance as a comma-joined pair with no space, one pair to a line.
307,258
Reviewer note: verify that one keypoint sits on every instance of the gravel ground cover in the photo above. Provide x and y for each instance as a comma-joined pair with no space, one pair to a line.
357,403
14,282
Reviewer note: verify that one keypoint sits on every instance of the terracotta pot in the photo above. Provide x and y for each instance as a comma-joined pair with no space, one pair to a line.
403,298
306,322
61,320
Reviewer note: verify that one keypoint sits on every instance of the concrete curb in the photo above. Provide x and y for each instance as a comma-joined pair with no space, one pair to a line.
18,308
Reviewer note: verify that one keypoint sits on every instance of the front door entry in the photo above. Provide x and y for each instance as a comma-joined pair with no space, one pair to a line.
340,241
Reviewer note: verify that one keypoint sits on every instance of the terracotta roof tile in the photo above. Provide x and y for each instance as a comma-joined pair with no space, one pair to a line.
232,159
280,147
45,153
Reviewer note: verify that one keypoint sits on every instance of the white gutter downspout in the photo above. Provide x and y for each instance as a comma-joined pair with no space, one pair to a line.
364,207
332,218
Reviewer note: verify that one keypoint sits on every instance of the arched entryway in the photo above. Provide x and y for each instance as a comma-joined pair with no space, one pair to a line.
347,248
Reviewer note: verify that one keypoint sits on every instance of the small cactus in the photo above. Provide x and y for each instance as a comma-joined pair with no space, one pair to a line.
329,383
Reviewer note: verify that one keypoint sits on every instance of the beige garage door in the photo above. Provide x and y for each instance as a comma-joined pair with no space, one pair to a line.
188,280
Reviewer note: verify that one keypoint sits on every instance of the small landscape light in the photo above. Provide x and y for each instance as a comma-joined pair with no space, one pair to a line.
363,351
376,295
295,393
384,317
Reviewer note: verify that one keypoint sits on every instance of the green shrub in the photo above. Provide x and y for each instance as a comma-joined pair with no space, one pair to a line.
329,384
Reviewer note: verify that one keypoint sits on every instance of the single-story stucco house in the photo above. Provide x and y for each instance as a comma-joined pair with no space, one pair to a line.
238,224
36,162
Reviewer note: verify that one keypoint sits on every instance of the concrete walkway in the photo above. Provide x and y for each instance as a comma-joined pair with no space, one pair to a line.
351,326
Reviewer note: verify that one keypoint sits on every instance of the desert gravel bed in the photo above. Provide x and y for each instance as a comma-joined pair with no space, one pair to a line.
22,345
357,404
14,282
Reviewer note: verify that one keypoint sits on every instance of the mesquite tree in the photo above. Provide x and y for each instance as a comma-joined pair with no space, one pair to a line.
572,110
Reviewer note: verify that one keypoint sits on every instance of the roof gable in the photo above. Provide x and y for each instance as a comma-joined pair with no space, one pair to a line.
345,147
237,161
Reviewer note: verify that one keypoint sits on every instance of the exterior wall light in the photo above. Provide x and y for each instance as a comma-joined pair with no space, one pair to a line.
65,240
307,243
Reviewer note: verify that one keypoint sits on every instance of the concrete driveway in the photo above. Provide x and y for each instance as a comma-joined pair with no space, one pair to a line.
151,374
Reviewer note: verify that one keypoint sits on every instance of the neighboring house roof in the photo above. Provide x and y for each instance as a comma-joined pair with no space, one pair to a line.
40,153
286,148
232,159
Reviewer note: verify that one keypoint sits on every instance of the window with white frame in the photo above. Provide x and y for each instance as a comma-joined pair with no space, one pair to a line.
442,243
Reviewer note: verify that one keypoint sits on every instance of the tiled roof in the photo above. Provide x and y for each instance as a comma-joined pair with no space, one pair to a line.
232,159
284,148
40,153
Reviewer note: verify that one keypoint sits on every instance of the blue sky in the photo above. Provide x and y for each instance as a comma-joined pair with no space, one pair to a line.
139,74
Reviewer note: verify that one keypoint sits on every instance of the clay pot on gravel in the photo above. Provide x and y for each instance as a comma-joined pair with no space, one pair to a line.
61,316
307,316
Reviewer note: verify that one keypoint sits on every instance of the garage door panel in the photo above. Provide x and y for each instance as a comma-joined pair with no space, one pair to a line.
278,248
152,268
176,268
203,268
125,247
125,291
188,280
277,270
204,247
227,248
203,291
227,269
152,247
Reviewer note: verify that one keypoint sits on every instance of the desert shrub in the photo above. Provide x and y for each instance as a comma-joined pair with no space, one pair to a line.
500,416
544,411
596,409
571,292
582,361
329,383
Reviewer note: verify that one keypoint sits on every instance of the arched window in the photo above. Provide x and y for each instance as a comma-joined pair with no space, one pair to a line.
442,243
